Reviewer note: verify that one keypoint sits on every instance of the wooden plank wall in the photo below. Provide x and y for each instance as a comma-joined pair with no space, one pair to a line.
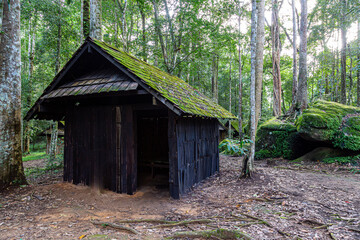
90,146
197,150
99,147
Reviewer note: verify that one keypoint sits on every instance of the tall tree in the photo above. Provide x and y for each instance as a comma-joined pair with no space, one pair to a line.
240,77
343,51
95,19
29,83
294,60
11,168
260,38
301,97
275,40
248,160
230,132
358,67
85,18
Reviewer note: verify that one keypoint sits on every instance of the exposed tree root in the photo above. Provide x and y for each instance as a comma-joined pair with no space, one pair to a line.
212,234
183,223
145,221
113,225
266,223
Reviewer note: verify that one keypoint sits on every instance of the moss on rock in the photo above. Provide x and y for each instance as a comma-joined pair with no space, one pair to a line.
275,138
332,123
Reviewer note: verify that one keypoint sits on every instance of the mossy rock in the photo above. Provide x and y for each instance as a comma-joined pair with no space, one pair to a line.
330,122
279,138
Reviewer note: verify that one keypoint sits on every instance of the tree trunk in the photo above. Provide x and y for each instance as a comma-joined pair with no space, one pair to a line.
58,49
350,77
53,144
143,22
248,161
275,37
295,76
214,77
343,54
95,19
160,36
358,68
31,52
11,168
260,32
86,18
240,78
230,134
302,100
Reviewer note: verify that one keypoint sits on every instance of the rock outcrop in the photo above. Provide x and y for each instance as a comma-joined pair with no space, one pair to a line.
323,124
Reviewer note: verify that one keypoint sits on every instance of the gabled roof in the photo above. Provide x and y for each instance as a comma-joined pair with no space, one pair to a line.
170,90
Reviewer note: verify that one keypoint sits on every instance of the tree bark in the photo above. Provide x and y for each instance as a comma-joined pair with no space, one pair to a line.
214,77
85,18
53,144
275,37
160,36
259,57
31,53
248,161
358,68
302,100
240,77
95,19
350,77
58,49
143,24
230,132
11,168
343,54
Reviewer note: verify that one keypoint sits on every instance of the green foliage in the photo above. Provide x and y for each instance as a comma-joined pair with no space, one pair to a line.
353,160
234,146
34,156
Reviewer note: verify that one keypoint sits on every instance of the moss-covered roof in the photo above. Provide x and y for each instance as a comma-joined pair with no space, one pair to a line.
177,91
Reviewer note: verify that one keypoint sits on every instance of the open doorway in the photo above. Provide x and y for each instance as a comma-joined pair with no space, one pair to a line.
153,149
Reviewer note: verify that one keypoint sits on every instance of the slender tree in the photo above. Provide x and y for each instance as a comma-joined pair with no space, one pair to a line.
230,134
28,99
95,19
85,18
11,168
301,97
259,67
358,68
240,77
248,161
275,39
343,51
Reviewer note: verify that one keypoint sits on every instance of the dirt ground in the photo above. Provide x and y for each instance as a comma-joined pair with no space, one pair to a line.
289,200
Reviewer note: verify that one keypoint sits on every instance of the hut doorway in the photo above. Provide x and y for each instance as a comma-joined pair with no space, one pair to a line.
153,149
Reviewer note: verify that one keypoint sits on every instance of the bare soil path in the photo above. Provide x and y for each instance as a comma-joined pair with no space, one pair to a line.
290,201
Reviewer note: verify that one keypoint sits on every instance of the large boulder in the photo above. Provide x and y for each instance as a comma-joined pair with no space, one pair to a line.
279,138
332,123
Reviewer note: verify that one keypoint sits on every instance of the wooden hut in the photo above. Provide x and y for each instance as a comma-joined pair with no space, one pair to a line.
126,121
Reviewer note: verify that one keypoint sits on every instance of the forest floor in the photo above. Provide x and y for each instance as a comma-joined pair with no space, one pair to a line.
284,200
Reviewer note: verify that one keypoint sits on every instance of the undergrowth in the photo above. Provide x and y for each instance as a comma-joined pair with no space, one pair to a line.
234,147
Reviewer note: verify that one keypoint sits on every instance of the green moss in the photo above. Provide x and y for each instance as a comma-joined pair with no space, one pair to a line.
274,138
177,91
331,122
